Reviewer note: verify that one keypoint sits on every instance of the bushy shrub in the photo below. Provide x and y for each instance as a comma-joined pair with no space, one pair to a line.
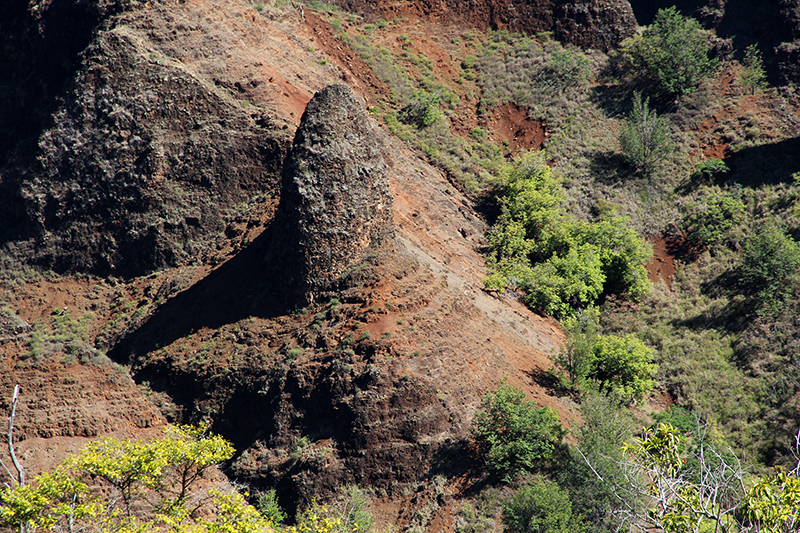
770,266
542,507
644,138
514,435
710,168
673,51
562,285
619,365
423,110
564,265
712,222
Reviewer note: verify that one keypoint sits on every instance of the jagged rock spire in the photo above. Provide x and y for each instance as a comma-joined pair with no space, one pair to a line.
335,199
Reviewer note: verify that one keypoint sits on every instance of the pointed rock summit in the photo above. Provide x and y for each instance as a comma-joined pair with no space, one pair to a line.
335,201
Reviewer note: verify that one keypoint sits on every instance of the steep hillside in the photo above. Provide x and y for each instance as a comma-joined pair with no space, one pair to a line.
165,150
186,239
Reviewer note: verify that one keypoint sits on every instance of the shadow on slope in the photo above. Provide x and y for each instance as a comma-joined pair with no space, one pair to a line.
767,164
245,286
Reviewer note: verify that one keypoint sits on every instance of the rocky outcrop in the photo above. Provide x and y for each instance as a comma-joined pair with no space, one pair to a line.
587,23
335,201
601,24
141,162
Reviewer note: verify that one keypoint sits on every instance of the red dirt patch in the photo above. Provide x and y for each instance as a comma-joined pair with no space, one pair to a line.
355,71
510,123
662,265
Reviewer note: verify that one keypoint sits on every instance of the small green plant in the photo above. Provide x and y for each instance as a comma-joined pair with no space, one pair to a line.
267,504
514,435
711,168
424,109
645,136
711,223
753,76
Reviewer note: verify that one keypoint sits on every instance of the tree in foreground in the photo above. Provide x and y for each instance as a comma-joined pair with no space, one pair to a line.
514,435
677,484
115,486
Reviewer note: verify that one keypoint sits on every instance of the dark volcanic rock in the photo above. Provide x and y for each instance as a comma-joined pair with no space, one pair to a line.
594,23
588,23
140,164
335,201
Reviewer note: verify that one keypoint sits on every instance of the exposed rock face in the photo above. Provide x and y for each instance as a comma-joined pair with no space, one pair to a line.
335,200
594,23
587,23
140,159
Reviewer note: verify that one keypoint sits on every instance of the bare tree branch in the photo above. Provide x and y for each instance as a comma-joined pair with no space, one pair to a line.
17,465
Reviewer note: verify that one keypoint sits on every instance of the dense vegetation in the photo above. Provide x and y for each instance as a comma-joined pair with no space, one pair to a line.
625,160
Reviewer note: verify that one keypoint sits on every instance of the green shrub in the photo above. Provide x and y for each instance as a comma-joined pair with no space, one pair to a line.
770,266
711,168
514,435
644,138
423,110
623,365
711,223
619,365
673,51
754,76
542,507
562,285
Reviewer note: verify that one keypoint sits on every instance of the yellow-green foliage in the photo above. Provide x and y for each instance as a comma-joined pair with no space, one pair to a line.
620,365
136,486
773,504
563,264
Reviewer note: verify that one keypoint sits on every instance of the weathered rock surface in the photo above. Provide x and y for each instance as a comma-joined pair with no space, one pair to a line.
141,162
588,23
594,23
335,201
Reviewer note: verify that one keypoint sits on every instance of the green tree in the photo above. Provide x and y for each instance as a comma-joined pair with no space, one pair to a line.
673,51
645,136
542,507
772,505
770,264
562,285
620,365
563,265
514,435
623,365
753,76
136,486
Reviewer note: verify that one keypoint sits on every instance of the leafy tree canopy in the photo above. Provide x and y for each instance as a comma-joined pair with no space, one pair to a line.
515,435
134,486
563,264
673,51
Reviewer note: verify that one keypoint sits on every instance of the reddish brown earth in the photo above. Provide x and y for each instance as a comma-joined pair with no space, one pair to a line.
661,266
511,126
429,341
380,382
